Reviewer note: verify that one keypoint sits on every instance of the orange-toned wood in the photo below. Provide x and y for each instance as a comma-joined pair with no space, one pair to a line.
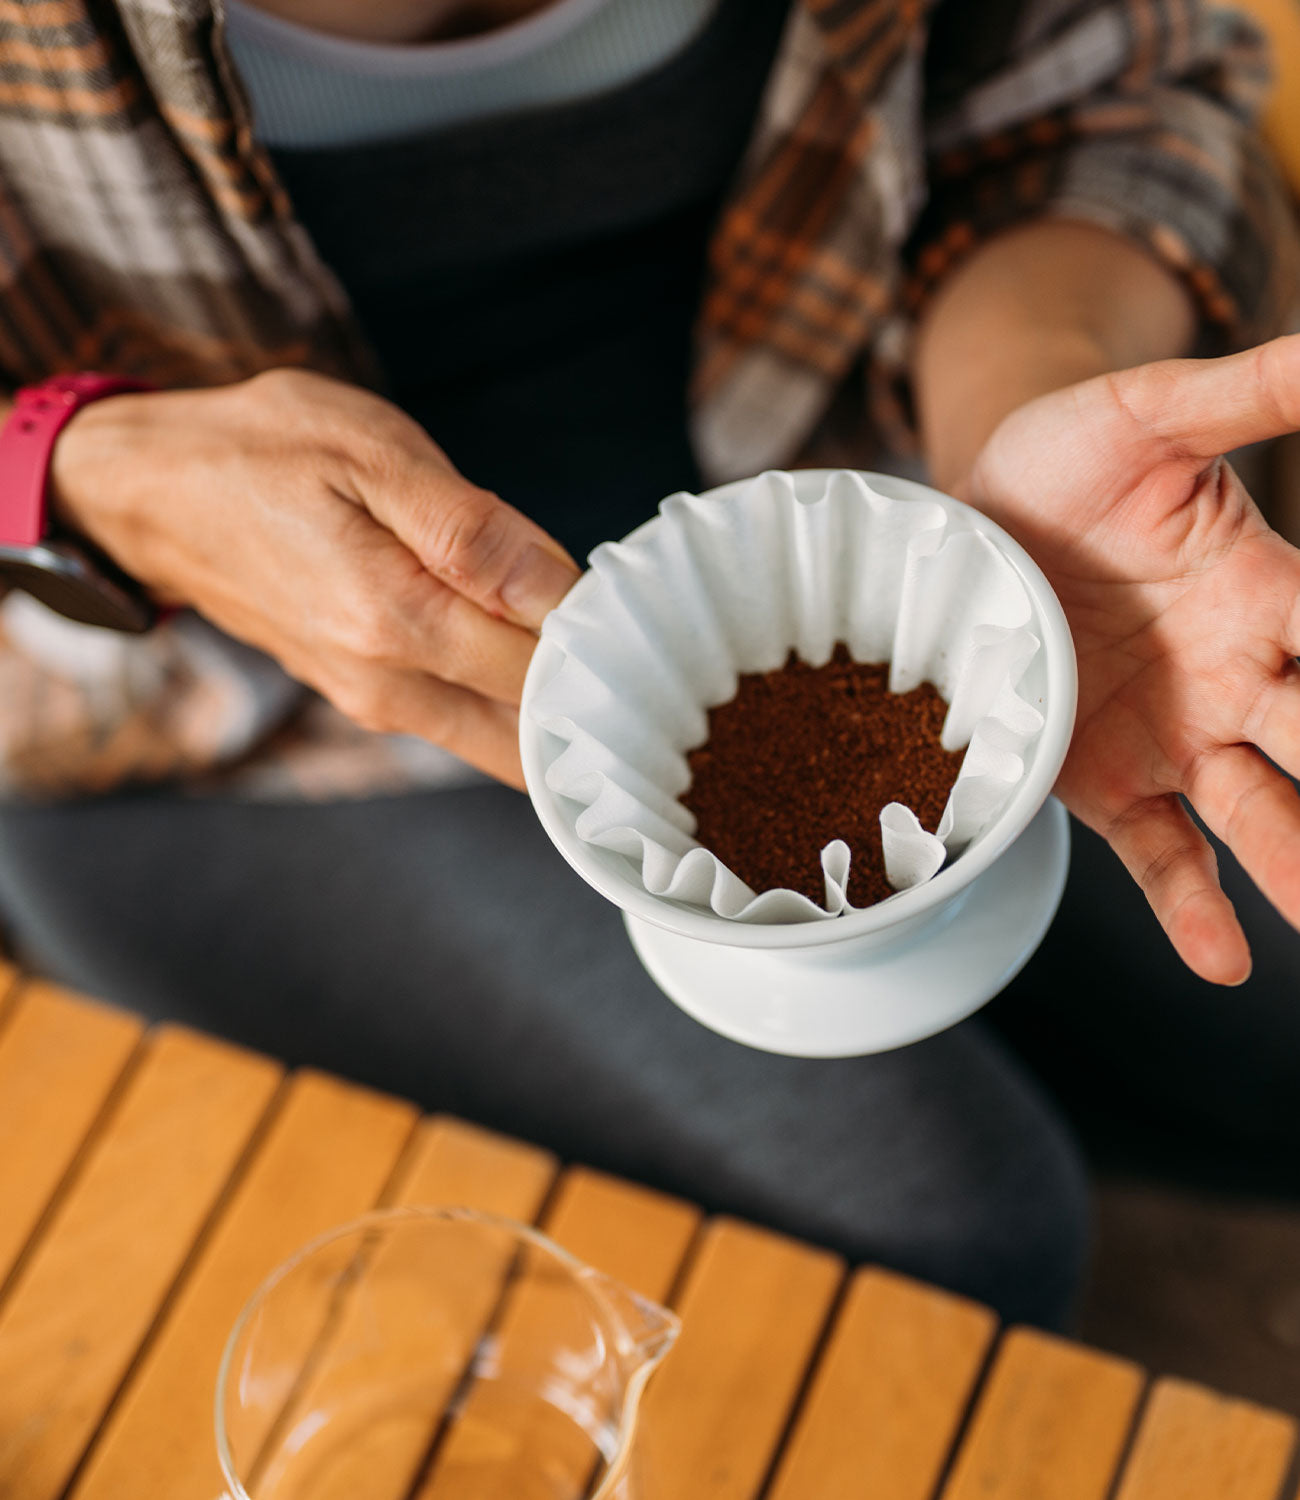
1193,1444
889,1393
630,1234
1050,1424
451,1164
59,1059
637,1236
325,1158
93,1285
460,1165
1281,119
753,1306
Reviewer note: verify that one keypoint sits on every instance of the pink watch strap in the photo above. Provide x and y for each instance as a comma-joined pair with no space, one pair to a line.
27,441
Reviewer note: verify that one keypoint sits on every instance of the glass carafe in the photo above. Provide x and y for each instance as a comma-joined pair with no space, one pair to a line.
436,1354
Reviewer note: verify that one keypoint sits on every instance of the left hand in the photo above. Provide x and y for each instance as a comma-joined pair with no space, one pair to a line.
1185,609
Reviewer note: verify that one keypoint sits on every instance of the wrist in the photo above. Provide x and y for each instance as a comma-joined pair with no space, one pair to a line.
84,494
61,569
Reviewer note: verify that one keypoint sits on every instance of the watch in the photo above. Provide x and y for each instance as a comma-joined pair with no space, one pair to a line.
64,572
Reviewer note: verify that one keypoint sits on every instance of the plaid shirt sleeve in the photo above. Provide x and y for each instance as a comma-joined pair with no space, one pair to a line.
1133,115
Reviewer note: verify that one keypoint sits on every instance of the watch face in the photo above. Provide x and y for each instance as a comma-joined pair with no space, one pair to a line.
61,575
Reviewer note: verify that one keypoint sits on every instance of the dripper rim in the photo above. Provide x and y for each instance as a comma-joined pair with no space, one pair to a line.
604,871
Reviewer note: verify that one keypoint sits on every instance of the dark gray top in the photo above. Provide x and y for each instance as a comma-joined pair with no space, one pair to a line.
307,88
530,282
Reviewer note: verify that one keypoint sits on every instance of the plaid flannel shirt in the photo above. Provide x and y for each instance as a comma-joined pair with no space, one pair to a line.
143,230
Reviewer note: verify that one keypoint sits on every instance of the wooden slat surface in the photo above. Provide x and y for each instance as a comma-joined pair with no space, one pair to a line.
59,1058
326,1158
88,1294
127,1249
637,1236
889,1393
753,1307
1193,1444
1050,1424
451,1164
460,1165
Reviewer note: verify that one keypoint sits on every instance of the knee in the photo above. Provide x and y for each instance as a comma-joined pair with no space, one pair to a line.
979,1187
1020,1231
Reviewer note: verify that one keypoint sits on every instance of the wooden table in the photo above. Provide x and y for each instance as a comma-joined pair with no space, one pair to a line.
149,1179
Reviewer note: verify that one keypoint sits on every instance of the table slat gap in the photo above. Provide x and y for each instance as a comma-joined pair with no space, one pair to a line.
546,1203
799,1402
893,1394
1040,1421
324,1159
632,1234
95,1285
452,1163
938,1490
1053,1422
673,1296
36,1050
1131,1436
1193,1444
178,1287
542,1206
408,1161
101,1122
752,1310
460,1395
314,1370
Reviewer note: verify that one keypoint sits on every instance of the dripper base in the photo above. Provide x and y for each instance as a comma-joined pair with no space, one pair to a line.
790,1001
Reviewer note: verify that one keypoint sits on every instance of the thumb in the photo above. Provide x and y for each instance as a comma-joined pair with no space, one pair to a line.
1202,408
475,543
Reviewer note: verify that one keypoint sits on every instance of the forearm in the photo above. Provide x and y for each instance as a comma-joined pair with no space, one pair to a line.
1032,311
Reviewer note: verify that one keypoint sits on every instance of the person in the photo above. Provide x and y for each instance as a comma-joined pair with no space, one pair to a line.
438,295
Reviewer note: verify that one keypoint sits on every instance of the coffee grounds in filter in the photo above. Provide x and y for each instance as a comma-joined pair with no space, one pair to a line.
803,755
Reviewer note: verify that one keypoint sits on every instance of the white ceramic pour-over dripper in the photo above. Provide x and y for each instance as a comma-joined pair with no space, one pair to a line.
869,980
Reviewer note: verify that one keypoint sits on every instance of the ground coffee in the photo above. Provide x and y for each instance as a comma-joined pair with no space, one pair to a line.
804,755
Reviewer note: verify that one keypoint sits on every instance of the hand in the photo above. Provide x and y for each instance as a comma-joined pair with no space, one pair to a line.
1185,609
315,521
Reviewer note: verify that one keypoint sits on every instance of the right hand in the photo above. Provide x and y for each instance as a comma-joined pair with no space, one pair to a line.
317,522
1185,611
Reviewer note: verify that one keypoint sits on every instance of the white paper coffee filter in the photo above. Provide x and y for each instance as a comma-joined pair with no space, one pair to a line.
718,585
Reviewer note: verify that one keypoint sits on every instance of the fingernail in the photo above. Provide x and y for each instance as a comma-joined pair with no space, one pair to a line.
536,584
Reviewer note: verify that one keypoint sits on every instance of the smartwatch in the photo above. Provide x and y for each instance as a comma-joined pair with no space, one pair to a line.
64,572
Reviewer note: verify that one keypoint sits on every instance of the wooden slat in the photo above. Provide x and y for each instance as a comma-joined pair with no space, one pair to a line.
460,1165
1050,1424
325,1159
889,1393
59,1058
1193,1444
753,1306
96,1279
637,1236
628,1233
452,1164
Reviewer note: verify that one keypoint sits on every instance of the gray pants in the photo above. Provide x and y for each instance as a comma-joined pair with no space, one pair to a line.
436,945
